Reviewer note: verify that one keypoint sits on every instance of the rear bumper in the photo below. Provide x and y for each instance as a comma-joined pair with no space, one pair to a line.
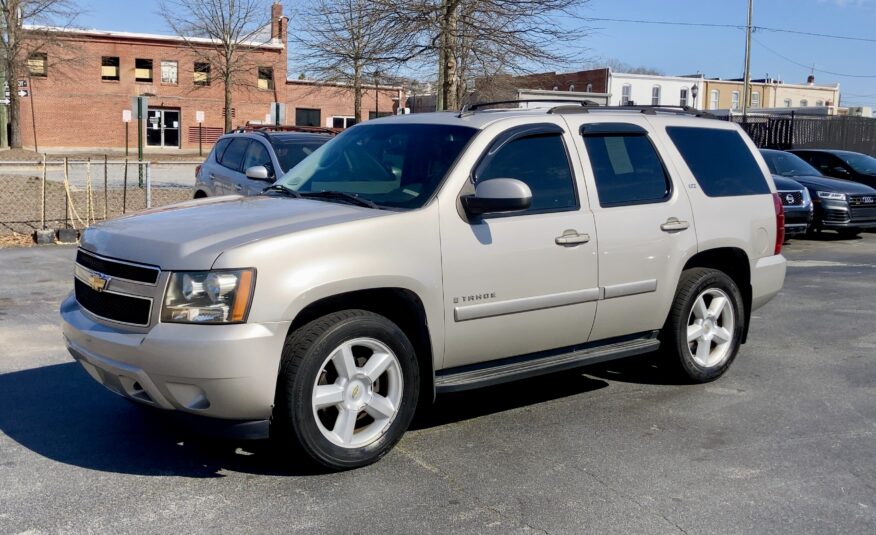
227,372
767,279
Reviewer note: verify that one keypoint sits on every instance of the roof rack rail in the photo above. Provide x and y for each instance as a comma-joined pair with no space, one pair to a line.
265,128
647,109
468,109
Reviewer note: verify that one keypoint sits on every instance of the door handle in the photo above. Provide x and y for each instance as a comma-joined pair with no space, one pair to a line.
212,176
238,187
673,224
571,237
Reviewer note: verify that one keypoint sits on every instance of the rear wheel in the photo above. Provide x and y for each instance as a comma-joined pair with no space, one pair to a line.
347,389
705,325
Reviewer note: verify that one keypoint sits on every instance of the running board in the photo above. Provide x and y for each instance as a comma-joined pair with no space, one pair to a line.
511,369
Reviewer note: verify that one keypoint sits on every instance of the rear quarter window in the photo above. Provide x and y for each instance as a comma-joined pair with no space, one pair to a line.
719,159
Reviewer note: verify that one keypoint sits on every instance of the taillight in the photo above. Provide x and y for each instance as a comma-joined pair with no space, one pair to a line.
198,170
780,222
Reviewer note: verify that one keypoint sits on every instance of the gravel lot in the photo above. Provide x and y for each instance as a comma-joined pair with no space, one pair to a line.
785,442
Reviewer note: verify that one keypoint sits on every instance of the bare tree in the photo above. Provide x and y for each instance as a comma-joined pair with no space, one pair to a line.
476,38
351,42
29,41
222,34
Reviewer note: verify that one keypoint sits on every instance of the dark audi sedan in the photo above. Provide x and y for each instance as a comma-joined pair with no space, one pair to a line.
840,205
842,164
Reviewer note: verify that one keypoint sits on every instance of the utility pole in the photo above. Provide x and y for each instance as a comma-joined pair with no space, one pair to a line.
747,75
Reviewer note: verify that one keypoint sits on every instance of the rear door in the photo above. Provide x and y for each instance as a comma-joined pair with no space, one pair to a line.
227,177
643,220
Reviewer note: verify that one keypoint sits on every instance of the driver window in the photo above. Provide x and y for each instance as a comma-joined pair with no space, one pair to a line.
257,154
541,162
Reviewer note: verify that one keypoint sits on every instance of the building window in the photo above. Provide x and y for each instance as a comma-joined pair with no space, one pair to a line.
734,100
37,64
787,103
143,70
266,78
571,87
109,68
589,88
556,88
202,74
169,72
804,103
626,95
307,117
343,122
819,103
655,95
755,99
714,95
682,97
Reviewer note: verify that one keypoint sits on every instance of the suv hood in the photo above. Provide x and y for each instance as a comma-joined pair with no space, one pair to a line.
191,235
786,184
832,184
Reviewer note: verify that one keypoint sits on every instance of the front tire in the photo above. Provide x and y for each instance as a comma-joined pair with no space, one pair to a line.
705,325
347,389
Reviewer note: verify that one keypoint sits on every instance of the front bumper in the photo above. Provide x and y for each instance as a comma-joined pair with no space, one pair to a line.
797,219
767,279
219,371
833,215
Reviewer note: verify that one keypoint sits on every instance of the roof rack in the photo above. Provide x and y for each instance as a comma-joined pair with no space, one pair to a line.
647,109
266,128
468,109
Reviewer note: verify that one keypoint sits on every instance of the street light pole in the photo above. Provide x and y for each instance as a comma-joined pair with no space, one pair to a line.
747,74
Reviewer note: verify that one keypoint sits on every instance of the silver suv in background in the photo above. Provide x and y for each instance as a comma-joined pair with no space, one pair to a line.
247,161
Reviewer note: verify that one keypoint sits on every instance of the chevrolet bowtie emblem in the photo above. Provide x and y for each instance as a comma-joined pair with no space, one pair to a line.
98,282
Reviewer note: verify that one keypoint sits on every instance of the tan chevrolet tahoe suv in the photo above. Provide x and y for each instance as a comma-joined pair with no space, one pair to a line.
430,253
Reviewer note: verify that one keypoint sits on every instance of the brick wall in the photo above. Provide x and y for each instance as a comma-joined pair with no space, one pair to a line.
73,107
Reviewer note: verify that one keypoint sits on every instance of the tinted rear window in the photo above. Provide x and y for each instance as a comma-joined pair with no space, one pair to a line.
627,170
233,156
720,161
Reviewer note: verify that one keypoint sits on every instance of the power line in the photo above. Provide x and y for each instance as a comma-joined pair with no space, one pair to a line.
733,26
789,60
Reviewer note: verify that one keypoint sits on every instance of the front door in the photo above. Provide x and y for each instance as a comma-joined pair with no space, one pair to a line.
524,282
162,128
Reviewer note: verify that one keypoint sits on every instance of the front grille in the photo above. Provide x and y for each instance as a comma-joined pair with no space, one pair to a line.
863,213
791,198
119,270
113,306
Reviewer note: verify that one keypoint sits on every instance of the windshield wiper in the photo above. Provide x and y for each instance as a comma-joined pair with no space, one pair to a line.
341,195
285,190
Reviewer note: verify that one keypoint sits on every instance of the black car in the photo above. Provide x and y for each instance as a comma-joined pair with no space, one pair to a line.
841,205
797,204
842,164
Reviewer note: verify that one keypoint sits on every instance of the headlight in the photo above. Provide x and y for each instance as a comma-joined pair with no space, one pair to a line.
208,296
832,195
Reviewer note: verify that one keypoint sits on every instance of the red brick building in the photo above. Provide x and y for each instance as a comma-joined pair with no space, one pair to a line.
80,104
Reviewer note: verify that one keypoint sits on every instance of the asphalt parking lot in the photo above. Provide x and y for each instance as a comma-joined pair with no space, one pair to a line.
785,442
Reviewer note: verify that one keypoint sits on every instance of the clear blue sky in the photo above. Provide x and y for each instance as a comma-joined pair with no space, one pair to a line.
716,52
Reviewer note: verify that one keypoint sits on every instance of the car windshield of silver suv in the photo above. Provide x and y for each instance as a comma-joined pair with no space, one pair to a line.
390,165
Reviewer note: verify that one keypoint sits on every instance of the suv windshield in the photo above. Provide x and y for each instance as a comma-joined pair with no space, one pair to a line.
392,165
290,151
787,164
859,162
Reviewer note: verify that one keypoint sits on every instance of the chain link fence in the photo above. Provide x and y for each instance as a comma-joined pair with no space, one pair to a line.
67,193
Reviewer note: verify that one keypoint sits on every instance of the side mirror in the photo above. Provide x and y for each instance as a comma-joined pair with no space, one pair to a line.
498,195
257,172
